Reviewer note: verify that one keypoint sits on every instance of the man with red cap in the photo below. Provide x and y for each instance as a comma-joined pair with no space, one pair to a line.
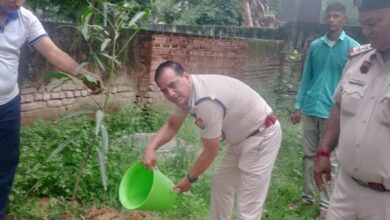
360,125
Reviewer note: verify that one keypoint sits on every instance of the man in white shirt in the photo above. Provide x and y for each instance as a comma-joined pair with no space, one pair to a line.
18,26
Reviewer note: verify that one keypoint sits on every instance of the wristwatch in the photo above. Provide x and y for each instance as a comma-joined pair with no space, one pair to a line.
190,179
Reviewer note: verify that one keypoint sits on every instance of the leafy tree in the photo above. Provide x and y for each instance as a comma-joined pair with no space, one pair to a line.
257,13
71,10
198,12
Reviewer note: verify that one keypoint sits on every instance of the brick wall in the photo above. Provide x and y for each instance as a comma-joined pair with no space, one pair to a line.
252,55
43,100
49,101
250,60
211,50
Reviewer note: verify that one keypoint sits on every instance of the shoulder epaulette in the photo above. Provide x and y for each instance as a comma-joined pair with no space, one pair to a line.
361,49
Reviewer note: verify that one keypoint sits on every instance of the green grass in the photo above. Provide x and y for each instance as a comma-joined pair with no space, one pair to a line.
37,177
287,177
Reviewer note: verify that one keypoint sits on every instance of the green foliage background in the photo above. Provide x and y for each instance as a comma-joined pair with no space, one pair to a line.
39,177
200,12
70,10
190,12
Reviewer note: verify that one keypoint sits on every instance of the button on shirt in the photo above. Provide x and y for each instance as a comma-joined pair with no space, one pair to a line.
245,112
323,67
20,27
364,97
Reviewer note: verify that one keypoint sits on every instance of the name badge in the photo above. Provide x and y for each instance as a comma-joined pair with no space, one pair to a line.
357,82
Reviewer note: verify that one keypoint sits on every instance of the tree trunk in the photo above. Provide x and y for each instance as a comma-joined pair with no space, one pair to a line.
257,14
247,13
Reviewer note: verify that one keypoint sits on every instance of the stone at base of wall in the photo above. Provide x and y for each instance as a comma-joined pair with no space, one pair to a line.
141,140
53,109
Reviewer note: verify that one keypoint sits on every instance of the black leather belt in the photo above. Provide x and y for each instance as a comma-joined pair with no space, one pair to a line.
375,186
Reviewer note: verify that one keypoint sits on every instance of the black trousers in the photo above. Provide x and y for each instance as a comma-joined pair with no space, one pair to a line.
9,149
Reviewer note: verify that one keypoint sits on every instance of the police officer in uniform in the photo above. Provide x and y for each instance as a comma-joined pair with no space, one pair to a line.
360,125
222,106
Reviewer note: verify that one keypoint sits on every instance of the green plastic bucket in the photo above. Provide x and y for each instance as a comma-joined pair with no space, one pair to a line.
142,189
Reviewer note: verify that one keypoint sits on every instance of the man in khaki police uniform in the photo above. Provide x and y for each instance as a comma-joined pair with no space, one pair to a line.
360,124
222,106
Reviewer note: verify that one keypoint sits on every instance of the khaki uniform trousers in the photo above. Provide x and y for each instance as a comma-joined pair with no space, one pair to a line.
351,201
246,170
313,128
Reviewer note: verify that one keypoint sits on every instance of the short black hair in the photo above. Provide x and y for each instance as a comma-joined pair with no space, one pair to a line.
336,6
177,67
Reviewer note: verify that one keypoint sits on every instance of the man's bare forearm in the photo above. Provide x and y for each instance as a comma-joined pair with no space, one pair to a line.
56,56
330,137
163,136
206,158
166,132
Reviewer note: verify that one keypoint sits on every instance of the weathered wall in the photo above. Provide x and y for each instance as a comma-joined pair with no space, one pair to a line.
252,55
202,50
47,100
251,61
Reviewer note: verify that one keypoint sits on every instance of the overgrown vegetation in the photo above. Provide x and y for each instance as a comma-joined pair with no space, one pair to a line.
198,12
71,10
39,177
203,12
102,30
287,177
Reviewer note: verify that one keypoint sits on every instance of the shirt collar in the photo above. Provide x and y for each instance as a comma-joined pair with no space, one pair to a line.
10,17
13,16
375,54
191,99
341,37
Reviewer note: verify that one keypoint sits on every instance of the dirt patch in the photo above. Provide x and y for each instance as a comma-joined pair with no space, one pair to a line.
99,214
113,214
44,205
12,217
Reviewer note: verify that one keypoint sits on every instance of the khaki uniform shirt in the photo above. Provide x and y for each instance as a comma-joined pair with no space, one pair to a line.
364,97
230,107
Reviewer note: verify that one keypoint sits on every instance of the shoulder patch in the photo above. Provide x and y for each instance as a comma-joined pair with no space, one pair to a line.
199,122
359,50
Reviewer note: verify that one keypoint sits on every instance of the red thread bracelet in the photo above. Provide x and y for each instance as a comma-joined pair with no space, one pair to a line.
322,153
